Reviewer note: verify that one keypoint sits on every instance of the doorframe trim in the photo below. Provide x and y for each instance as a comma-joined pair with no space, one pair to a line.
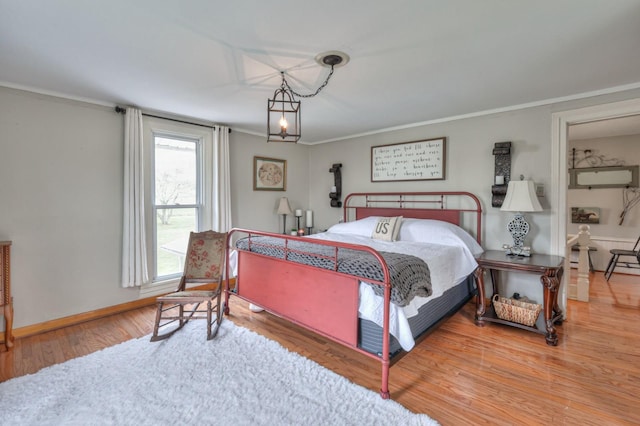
560,122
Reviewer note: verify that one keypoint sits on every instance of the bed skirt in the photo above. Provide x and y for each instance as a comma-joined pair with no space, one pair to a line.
370,334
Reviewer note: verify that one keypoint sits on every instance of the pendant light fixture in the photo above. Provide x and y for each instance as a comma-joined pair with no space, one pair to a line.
283,111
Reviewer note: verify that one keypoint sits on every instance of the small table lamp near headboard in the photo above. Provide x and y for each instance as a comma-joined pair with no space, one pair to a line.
521,197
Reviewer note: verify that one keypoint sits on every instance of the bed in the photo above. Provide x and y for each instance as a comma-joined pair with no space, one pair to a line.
377,282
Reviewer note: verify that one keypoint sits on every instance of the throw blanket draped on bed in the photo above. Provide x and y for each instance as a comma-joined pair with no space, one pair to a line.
409,275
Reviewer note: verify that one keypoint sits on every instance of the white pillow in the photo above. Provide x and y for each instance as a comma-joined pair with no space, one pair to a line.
387,228
363,227
437,231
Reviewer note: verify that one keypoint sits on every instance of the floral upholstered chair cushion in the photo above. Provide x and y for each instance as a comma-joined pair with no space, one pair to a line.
205,255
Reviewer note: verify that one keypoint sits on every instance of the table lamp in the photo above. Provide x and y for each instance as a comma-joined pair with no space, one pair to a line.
521,197
284,209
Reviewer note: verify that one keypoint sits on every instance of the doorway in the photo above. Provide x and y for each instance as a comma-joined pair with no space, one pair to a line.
560,123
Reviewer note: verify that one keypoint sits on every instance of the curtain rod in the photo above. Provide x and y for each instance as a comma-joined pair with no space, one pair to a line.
121,110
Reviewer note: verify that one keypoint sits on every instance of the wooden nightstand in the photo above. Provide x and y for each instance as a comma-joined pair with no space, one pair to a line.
550,269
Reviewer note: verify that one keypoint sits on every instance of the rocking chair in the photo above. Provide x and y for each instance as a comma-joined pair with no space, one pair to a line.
204,263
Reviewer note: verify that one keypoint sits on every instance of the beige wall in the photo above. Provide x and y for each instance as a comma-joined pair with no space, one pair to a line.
61,168
470,166
61,205
61,189
257,209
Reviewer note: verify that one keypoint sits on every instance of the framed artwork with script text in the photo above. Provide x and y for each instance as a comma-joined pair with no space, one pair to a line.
416,160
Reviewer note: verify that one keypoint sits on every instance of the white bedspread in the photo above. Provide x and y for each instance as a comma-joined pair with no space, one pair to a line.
449,265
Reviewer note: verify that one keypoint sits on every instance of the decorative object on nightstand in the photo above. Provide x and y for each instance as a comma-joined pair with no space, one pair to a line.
309,221
521,197
284,209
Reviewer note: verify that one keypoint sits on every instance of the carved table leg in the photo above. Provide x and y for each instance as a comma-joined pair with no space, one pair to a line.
550,282
556,308
480,300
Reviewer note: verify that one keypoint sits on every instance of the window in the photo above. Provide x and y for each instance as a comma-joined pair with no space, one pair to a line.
176,200
178,175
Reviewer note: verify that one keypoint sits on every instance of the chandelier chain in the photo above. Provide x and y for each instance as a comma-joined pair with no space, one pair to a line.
322,86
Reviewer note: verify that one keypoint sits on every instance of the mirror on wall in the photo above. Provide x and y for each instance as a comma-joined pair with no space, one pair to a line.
603,177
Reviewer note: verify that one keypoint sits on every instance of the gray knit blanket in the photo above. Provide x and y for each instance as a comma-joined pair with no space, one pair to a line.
409,275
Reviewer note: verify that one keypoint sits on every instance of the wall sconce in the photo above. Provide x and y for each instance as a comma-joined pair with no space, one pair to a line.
502,152
283,111
284,209
521,197
336,189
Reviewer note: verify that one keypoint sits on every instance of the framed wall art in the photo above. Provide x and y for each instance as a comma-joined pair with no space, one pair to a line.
269,174
417,160
585,215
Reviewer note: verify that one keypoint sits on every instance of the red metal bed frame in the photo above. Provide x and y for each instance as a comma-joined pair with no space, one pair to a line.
326,301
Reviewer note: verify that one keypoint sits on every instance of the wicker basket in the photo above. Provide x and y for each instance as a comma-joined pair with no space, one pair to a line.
516,311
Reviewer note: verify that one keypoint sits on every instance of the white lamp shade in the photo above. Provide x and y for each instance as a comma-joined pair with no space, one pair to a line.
284,207
521,197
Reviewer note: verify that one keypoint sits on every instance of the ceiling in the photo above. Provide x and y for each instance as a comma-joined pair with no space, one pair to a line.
411,62
620,126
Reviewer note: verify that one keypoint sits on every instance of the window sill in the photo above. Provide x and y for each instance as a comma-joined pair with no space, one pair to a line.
159,287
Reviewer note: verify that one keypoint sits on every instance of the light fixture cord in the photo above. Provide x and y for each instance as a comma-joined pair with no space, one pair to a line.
322,86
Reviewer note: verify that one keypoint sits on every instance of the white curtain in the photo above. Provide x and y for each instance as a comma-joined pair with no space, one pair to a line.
134,251
221,209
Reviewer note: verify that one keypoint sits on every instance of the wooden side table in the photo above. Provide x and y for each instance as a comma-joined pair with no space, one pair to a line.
6,300
550,269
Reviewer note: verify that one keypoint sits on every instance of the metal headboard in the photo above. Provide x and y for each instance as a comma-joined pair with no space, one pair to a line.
457,207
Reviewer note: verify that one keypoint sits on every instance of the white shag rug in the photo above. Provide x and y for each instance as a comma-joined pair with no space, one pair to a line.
238,378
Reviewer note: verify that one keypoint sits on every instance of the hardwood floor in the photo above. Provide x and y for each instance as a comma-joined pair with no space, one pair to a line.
460,374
